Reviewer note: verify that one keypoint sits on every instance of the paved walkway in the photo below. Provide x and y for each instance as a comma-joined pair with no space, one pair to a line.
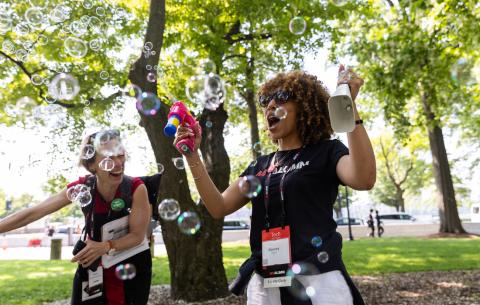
43,253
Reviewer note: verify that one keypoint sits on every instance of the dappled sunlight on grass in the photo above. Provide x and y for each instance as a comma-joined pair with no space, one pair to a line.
34,275
373,256
4,277
42,281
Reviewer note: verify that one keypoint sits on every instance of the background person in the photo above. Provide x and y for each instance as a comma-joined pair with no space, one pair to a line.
371,224
307,169
99,211
380,229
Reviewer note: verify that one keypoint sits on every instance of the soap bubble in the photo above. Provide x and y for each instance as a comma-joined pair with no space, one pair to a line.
78,28
148,46
169,209
151,77
250,186
75,47
84,199
148,103
125,271
88,4
95,44
60,13
104,75
5,23
107,164
317,242
323,257
80,194
63,87
21,55
178,163
88,152
100,11
160,168
280,113
257,147
37,80
297,25
34,16
8,46
189,223
133,90
299,287
206,90
96,25
22,29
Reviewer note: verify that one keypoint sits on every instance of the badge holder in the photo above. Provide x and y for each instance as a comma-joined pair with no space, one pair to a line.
276,257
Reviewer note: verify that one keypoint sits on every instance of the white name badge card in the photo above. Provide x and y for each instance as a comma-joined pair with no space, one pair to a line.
276,257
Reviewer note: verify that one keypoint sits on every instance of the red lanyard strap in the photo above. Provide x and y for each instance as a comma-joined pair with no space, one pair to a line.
267,188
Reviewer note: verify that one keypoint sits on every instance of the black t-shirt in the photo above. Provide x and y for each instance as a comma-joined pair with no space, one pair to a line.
310,189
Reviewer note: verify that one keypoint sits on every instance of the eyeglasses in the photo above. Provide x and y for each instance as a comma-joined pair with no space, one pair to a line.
280,97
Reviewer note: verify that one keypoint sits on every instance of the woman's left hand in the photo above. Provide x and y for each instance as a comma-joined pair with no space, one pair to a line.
351,78
92,251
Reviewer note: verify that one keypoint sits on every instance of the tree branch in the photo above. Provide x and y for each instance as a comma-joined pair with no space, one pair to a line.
233,56
406,173
387,164
18,63
235,30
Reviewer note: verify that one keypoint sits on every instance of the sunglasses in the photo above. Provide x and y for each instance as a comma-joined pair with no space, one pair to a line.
104,136
280,97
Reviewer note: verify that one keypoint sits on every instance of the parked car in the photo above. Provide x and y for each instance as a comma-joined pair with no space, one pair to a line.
343,221
397,218
64,229
235,225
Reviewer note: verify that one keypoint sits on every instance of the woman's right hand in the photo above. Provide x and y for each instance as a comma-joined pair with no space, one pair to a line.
184,132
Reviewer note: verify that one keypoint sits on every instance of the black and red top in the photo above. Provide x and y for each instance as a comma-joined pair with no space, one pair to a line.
117,291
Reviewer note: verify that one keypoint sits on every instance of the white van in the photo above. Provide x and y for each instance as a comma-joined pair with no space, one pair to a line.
396,218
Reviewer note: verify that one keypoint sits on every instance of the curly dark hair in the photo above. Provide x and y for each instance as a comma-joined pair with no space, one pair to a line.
311,96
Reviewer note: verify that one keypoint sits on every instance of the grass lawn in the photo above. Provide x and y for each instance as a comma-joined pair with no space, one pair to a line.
34,282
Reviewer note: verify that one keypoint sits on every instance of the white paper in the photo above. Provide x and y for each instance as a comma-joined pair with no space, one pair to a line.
114,230
280,281
276,252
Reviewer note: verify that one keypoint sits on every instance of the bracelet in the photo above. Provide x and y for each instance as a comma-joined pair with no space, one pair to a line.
358,122
194,164
110,246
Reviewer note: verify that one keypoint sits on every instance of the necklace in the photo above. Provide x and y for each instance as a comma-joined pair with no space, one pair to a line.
276,162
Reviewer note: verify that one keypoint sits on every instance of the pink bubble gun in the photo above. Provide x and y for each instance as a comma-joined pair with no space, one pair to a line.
179,115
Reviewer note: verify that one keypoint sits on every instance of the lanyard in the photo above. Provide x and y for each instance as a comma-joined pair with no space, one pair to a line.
90,219
267,188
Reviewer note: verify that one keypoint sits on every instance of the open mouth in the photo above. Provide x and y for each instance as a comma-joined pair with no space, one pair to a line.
116,174
272,121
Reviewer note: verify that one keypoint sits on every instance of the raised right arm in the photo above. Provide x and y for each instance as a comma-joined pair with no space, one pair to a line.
29,215
218,204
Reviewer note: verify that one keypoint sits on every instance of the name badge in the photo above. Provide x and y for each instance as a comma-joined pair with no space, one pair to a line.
276,257
93,288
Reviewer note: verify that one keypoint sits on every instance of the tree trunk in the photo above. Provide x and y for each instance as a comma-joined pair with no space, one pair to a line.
400,201
252,109
195,261
449,219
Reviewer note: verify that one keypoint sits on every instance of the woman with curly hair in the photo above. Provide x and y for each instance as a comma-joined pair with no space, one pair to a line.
296,251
